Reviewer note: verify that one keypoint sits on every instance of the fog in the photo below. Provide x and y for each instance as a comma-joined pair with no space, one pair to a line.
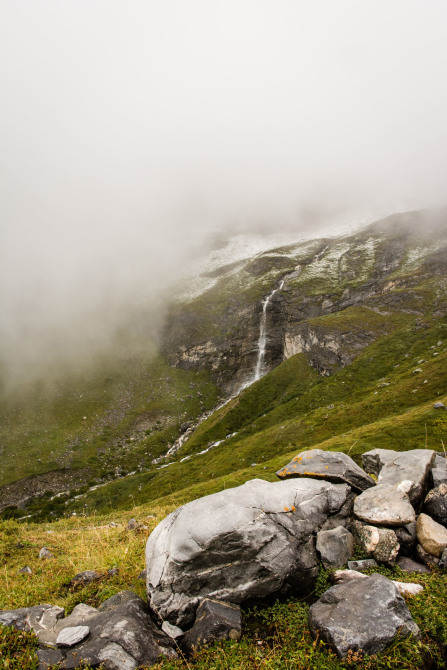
134,134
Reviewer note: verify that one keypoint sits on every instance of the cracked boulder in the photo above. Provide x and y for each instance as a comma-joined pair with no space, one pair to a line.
242,543
362,615
215,621
408,470
333,466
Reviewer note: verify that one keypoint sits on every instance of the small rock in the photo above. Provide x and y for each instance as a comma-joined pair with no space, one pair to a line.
113,572
85,577
215,621
335,547
443,560
431,535
408,565
45,553
142,575
25,570
342,576
425,557
70,636
381,543
48,658
364,564
173,631
384,505
406,589
439,405
406,536
417,370
114,657
132,524
435,504
341,619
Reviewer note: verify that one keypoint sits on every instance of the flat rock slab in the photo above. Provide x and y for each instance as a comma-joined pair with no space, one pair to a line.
333,466
364,615
384,505
408,470
431,535
335,547
215,621
435,504
242,543
71,635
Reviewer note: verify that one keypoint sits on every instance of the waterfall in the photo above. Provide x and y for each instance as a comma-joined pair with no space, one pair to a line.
262,342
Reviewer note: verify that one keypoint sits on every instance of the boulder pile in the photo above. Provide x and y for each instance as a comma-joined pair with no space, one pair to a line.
243,544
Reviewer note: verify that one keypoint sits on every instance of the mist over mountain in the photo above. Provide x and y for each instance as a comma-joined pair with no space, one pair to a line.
134,139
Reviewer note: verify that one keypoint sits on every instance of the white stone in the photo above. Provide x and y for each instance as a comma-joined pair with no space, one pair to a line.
72,635
172,631
407,589
115,658
431,535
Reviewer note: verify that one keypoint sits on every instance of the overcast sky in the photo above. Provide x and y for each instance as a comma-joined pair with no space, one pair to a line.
130,128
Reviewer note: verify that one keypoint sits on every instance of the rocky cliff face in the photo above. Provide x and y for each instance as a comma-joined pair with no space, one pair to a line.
371,277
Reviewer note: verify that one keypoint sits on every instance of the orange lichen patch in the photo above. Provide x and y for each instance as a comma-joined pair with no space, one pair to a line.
297,458
286,509
327,467
293,508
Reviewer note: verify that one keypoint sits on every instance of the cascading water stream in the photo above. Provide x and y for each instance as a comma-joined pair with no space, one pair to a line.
262,342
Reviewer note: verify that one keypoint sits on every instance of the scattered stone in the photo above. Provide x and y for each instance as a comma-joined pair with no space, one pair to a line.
417,370
48,658
70,636
24,618
113,572
137,526
439,471
113,524
343,576
173,631
45,553
381,543
384,505
364,564
408,470
425,557
341,619
406,589
335,547
25,570
431,535
408,565
435,504
85,577
132,524
332,466
215,621
142,576
184,426
241,543
439,405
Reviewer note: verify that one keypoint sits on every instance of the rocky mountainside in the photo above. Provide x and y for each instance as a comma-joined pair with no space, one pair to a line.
336,329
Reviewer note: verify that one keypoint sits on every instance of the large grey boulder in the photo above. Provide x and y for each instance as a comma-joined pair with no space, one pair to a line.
362,615
380,543
431,535
333,466
239,544
335,547
435,504
384,505
408,470
439,470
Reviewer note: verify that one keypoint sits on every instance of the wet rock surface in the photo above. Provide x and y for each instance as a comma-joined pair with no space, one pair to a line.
334,467
361,615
